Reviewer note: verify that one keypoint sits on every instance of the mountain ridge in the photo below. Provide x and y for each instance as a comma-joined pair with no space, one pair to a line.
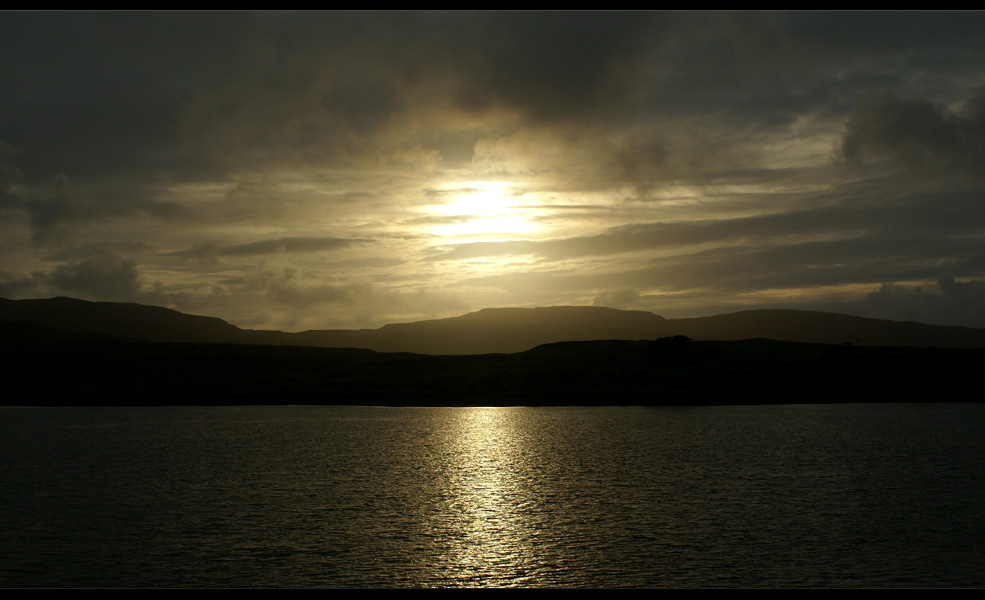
486,331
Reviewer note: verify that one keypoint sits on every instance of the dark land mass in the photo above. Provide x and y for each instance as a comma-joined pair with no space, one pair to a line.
71,352
668,371
494,330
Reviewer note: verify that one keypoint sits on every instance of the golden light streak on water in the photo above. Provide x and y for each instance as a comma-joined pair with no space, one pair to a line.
487,504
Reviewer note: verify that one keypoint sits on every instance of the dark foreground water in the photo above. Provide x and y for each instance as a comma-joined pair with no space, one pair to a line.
814,495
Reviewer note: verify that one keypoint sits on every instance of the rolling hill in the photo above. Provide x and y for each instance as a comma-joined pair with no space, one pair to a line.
493,330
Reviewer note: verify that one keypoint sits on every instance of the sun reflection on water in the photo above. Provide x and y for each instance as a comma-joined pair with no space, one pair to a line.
486,519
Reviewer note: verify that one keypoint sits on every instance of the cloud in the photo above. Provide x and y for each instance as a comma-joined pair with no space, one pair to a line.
954,303
748,266
97,250
61,211
108,277
16,285
697,154
552,66
207,252
368,262
285,286
94,95
653,236
9,175
290,293
918,134
621,298
289,301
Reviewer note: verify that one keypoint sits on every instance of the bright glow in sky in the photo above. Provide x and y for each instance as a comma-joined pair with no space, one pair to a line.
319,170
490,210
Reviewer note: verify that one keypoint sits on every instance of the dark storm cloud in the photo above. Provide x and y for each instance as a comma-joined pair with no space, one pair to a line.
317,85
363,103
638,159
94,93
824,59
749,69
552,66
927,35
8,177
919,134
61,210
98,93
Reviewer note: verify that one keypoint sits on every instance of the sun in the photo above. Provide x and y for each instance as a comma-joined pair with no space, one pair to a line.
486,210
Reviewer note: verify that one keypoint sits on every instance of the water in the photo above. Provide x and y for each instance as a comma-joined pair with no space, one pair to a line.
813,495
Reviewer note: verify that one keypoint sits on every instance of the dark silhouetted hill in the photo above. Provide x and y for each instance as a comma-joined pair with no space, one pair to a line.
72,352
826,328
494,330
124,320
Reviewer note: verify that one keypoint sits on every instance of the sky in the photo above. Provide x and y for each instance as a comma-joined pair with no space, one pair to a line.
318,170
